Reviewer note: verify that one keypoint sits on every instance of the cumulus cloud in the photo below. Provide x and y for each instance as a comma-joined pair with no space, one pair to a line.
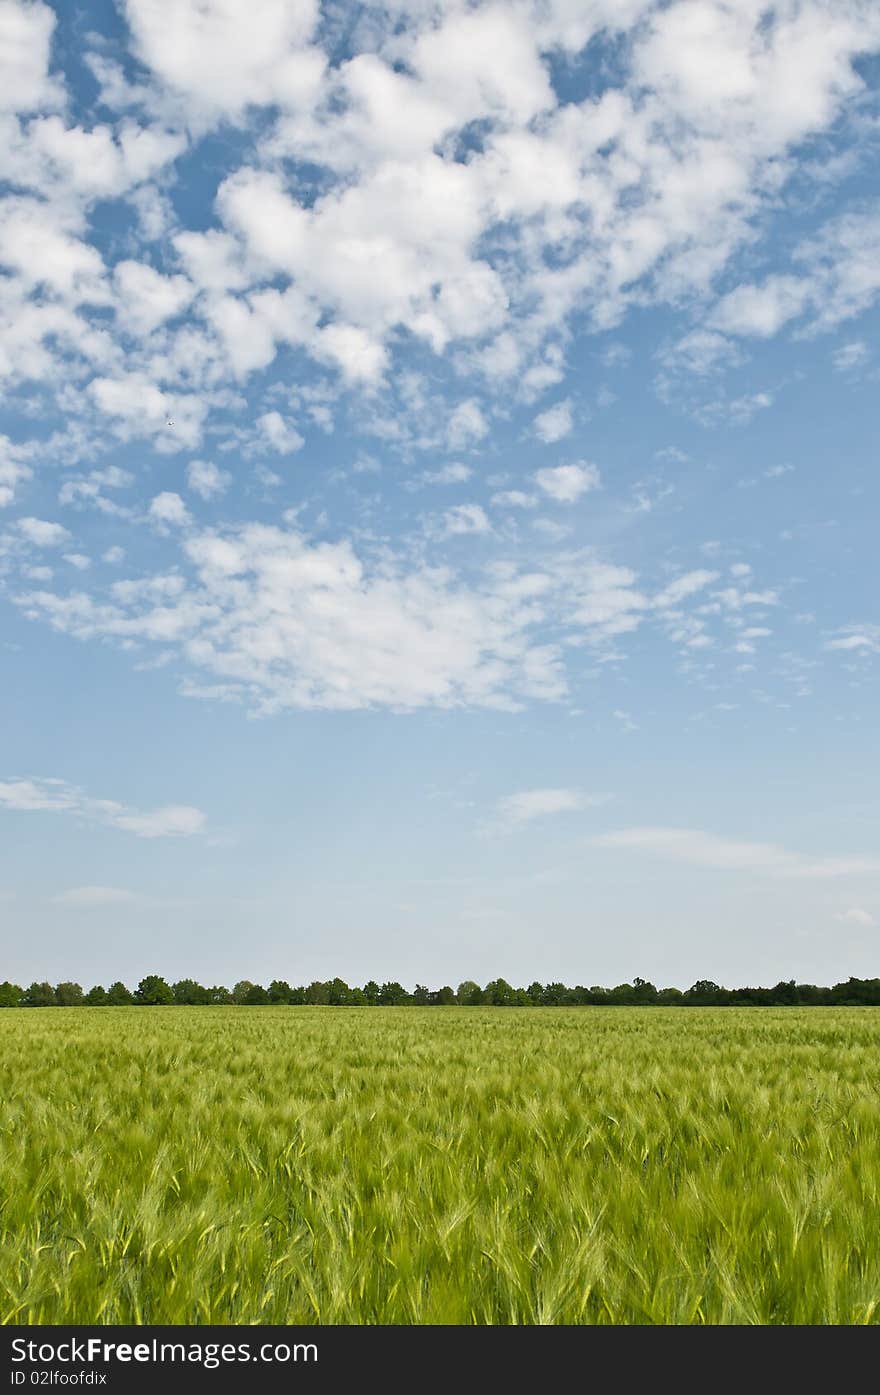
466,518
206,479
55,796
13,469
168,507
42,533
280,620
554,424
566,483
278,434
455,473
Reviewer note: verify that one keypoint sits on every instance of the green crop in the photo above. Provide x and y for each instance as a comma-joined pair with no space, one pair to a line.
305,1165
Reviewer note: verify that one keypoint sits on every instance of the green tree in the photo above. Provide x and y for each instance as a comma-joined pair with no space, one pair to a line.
371,992
68,995
470,994
279,991
318,992
10,994
118,995
188,993
499,993
39,995
153,991
393,995
219,994
338,993
444,997
248,994
97,996
421,995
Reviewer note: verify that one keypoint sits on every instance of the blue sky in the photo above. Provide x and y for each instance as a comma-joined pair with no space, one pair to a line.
438,490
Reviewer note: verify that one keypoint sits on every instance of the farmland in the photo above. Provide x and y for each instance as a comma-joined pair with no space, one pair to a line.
310,1165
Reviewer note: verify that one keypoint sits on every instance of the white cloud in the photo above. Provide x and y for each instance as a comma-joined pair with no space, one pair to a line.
280,620
761,310
78,560
861,638
81,490
554,424
850,356
25,38
729,854
279,434
515,810
42,533
206,479
146,298
466,518
514,499
171,821
856,915
13,470
686,585
456,473
57,796
467,425
168,507
566,483
89,897
224,58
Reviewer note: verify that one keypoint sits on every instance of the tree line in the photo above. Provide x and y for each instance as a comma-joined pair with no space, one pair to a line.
155,991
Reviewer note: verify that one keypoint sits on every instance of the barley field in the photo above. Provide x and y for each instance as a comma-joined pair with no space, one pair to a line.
457,1165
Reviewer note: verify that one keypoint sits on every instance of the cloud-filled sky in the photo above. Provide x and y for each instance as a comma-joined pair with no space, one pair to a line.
438,489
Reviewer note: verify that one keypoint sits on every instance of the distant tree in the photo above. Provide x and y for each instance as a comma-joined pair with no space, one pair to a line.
470,994
254,995
97,996
317,992
644,991
704,993
219,994
555,995
393,995
535,992
499,993
188,993
240,991
153,991
39,995
670,997
421,995
118,995
68,995
810,995
279,991
338,993
445,996
297,996
357,998
371,992
10,994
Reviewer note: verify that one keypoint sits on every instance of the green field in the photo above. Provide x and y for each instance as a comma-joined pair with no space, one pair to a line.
303,1165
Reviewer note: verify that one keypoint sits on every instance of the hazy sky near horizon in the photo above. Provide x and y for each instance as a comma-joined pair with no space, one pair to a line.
439,490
